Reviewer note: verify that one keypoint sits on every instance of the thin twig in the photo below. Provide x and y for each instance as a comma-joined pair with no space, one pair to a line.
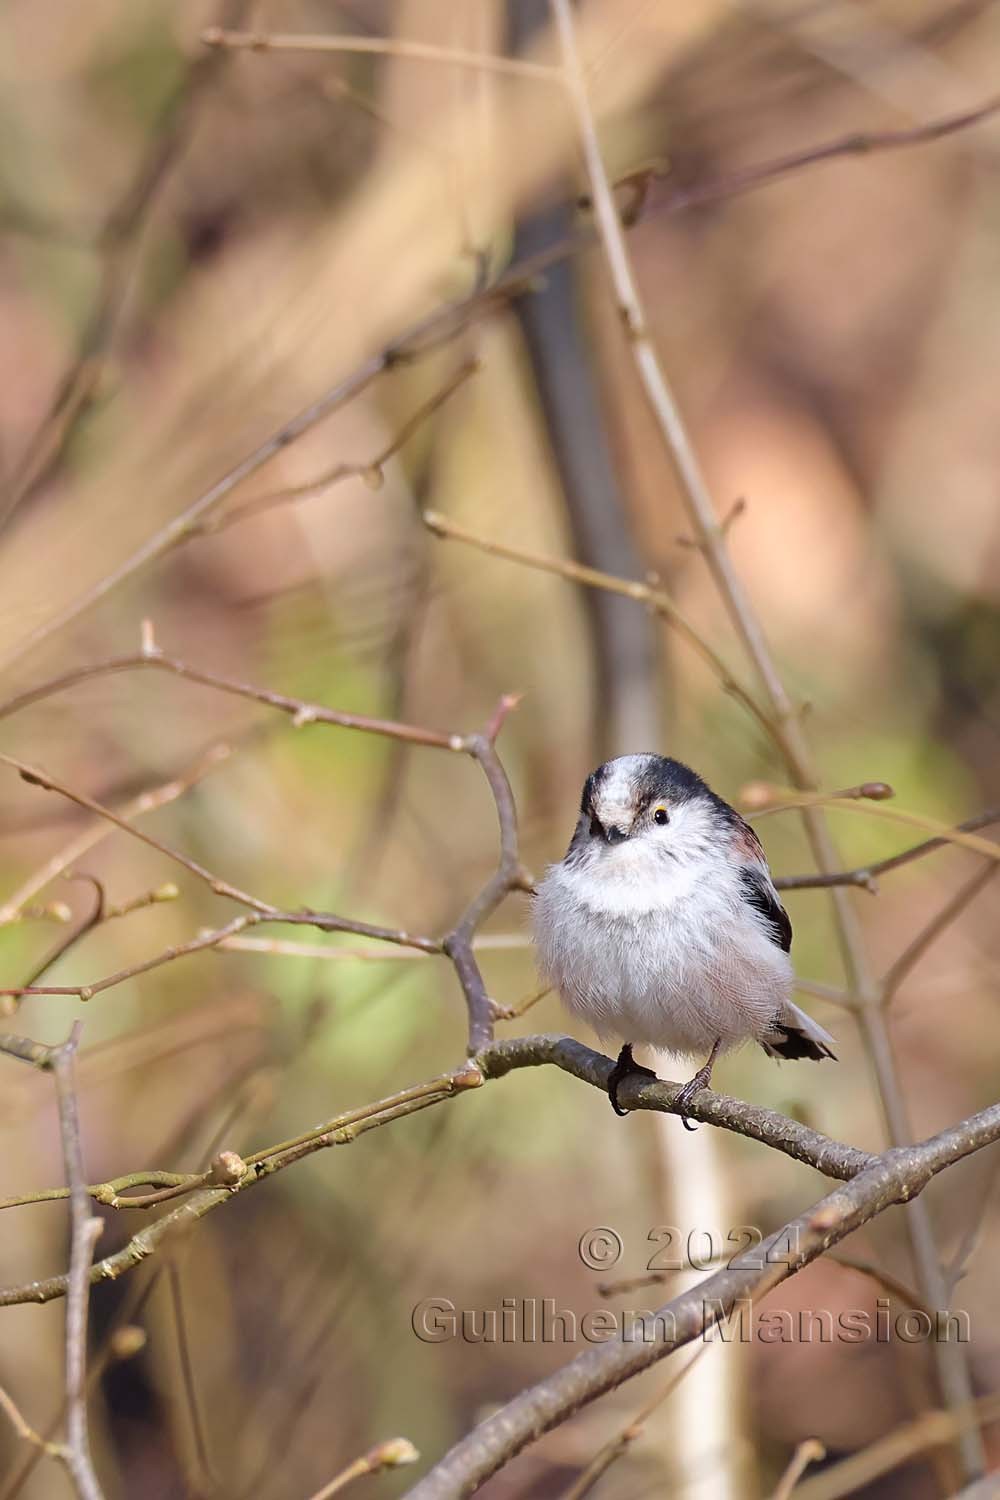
93,918
388,1455
866,876
456,943
370,471
24,1429
430,331
119,243
189,1384
780,801
949,913
809,1451
932,1429
643,593
622,1441
260,41
148,801
856,143
86,1229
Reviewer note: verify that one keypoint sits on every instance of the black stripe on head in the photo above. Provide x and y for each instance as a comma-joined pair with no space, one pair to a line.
673,782
589,788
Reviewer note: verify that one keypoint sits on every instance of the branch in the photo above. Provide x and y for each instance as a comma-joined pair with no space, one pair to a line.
371,471
86,1229
766,800
429,332
896,1177
809,1451
230,1173
754,1121
654,599
867,875
388,1455
260,41
618,1445
932,1429
951,910
155,797
457,943
118,241
855,143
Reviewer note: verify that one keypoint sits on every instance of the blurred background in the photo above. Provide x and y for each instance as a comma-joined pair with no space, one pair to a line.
195,244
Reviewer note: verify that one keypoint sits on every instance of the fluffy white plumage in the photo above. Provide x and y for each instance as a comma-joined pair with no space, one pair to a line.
670,933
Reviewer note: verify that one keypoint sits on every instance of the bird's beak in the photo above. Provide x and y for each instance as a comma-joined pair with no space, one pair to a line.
609,832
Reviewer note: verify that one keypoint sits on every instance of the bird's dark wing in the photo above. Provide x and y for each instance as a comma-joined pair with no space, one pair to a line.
759,893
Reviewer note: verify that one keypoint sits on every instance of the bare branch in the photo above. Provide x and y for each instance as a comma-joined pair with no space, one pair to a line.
856,143
371,471
24,1429
119,243
221,1180
932,1429
259,41
895,1177
810,1451
643,593
457,943
781,801
949,913
86,1229
445,323
388,1455
148,801
438,327
620,1443
867,875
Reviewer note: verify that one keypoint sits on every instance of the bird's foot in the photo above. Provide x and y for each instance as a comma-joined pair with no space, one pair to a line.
625,1066
701,1080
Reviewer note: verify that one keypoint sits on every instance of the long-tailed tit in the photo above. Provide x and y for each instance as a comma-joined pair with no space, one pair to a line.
662,924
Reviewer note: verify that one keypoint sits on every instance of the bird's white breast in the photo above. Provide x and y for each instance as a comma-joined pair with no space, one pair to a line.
660,950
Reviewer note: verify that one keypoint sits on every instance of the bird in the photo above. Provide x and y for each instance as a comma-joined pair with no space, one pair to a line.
662,926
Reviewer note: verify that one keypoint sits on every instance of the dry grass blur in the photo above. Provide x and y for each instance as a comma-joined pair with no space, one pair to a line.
832,339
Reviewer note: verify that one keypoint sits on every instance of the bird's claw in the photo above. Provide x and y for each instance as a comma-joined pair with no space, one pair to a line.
623,1068
685,1096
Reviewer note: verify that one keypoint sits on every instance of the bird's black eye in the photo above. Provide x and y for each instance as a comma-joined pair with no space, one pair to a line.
661,816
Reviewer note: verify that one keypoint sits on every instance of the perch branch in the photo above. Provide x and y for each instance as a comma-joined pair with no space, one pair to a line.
230,1174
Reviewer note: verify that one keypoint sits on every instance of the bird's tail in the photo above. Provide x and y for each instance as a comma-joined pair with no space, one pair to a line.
797,1035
